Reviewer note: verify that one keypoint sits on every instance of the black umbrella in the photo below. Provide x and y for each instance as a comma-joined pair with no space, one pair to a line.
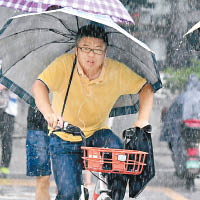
29,42
193,36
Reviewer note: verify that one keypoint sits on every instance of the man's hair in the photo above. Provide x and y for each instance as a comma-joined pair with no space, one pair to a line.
93,29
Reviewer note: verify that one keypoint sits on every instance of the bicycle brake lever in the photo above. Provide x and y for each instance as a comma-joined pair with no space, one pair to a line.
69,128
128,133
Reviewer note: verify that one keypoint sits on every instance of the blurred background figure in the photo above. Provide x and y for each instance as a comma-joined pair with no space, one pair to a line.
181,130
37,151
8,112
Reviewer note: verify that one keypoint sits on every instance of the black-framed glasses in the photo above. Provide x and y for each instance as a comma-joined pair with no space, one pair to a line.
88,50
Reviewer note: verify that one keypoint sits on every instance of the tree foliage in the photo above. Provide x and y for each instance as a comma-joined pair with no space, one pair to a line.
175,79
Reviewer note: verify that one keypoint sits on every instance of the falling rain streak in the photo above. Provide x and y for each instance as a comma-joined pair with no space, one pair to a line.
161,25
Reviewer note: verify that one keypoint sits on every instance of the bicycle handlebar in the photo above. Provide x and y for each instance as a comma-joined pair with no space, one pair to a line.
76,131
69,128
129,133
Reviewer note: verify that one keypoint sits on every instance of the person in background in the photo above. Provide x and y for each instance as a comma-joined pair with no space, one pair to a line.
8,112
37,153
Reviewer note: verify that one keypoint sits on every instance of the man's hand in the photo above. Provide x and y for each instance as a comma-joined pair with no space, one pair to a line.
2,87
54,120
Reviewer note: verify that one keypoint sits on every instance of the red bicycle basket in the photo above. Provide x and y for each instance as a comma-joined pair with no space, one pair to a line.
113,160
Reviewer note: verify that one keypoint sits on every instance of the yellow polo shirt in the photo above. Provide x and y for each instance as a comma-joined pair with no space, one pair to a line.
89,102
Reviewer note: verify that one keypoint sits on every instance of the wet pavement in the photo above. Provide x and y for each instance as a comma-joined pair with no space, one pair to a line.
24,189
165,185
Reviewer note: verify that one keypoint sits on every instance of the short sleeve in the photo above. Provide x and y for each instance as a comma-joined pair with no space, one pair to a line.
54,74
130,82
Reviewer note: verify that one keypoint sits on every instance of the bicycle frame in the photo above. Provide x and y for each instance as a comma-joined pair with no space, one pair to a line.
107,160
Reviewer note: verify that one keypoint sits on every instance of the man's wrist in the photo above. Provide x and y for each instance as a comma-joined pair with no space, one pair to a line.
141,123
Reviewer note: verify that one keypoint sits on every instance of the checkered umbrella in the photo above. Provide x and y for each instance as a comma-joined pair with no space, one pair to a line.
29,42
112,8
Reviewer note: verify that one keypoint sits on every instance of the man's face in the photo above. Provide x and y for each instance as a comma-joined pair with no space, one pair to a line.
90,52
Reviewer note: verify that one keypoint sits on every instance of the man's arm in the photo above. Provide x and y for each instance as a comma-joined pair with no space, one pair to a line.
41,95
2,87
146,104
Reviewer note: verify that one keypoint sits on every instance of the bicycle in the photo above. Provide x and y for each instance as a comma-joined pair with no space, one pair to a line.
107,160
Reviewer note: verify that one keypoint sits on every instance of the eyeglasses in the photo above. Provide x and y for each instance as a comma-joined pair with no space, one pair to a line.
88,50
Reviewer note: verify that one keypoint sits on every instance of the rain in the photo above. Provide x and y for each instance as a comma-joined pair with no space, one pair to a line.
175,117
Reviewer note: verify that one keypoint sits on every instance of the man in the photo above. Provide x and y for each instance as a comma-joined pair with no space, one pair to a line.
96,84
8,112
37,151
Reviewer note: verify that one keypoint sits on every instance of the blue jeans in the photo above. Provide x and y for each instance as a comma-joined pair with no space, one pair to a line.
37,153
68,165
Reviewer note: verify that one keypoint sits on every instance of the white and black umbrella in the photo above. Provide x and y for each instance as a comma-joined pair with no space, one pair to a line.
29,42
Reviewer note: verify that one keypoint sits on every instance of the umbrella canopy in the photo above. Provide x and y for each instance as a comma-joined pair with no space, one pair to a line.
193,36
29,42
112,8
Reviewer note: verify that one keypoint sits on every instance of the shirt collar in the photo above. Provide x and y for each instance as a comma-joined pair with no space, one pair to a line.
95,81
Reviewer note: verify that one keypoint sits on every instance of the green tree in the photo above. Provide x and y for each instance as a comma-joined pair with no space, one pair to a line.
175,79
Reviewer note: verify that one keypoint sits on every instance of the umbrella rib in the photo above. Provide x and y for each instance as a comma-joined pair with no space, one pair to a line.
38,29
65,25
68,41
77,23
